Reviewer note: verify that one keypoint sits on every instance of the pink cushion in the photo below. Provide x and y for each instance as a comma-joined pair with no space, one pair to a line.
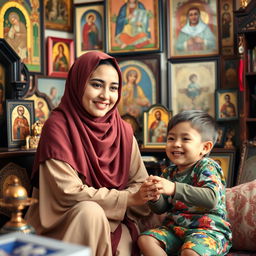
241,207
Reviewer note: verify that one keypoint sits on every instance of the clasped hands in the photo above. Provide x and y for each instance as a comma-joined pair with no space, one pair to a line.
154,186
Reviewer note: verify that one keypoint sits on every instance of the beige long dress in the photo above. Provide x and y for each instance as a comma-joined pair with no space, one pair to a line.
71,211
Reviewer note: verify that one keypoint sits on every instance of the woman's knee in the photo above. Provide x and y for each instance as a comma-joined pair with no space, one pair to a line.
88,211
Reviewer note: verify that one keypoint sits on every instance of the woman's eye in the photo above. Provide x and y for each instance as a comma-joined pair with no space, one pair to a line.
96,85
114,88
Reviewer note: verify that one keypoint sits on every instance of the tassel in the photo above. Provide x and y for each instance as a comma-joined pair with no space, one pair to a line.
240,75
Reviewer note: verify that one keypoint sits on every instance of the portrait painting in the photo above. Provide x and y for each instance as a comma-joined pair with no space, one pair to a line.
155,126
61,56
58,14
20,117
133,26
246,170
227,27
134,124
192,86
141,83
42,107
89,27
229,72
221,130
22,27
53,88
226,104
192,28
226,160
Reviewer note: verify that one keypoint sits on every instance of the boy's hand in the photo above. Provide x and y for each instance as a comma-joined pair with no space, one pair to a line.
163,185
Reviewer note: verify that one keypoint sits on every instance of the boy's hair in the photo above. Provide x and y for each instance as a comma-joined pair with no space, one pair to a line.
200,121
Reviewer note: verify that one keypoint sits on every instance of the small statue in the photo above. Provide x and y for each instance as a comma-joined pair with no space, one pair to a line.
229,141
243,3
33,140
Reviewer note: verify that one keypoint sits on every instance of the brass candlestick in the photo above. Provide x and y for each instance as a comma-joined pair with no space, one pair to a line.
15,198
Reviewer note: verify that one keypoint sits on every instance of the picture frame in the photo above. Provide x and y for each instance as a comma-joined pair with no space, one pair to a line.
202,40
46,95
226,159
61,56
155,124
89,27
58,15
246,169
192,84
134,124
28,45
229,72
226,104
20,117
227,27
221,136
144,91
143,32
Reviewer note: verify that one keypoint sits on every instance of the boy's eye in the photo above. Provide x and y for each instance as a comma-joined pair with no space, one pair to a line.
186,138
170,138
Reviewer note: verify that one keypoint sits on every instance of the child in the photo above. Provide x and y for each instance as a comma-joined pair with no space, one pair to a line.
191,191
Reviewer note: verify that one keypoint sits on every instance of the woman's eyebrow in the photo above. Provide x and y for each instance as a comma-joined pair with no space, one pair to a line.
102,81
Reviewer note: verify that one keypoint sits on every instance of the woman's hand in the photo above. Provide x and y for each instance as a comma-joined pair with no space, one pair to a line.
146,192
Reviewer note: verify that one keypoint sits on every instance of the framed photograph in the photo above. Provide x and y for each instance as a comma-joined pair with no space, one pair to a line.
22,27
58,15
192,85
141,84
226,104
226,159
61,56
192,28
227,27
89,27
229,71
156,120
221,136
133,26
20,117
246,170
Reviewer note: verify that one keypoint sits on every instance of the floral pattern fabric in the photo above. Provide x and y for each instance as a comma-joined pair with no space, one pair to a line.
205,231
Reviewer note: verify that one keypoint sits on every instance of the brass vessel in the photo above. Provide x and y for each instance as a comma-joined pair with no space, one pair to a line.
15,198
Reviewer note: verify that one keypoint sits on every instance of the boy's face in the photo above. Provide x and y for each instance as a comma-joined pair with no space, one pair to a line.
184,146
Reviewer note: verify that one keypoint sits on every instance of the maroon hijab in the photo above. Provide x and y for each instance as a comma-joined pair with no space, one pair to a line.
98,148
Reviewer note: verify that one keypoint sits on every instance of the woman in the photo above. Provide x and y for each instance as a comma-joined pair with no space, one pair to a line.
88,170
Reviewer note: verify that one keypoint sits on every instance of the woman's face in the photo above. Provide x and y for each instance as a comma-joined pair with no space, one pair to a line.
193,16
101,91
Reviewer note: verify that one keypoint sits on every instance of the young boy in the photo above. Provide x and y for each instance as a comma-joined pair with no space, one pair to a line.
191,191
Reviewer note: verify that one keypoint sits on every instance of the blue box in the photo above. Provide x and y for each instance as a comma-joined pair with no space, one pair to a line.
18,243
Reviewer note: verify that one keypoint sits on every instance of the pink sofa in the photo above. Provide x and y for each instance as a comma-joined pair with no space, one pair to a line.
241,207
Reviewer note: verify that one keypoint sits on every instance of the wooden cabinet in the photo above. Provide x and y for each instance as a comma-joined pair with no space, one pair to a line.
245,19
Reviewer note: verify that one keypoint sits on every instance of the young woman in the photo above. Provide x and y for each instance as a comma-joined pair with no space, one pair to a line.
88,169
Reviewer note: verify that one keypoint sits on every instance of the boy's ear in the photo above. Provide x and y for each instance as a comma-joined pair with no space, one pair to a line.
207,147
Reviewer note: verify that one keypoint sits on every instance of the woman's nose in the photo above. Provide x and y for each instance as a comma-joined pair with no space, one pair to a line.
104,94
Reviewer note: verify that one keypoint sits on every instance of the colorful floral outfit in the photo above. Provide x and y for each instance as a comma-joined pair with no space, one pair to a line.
206,231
